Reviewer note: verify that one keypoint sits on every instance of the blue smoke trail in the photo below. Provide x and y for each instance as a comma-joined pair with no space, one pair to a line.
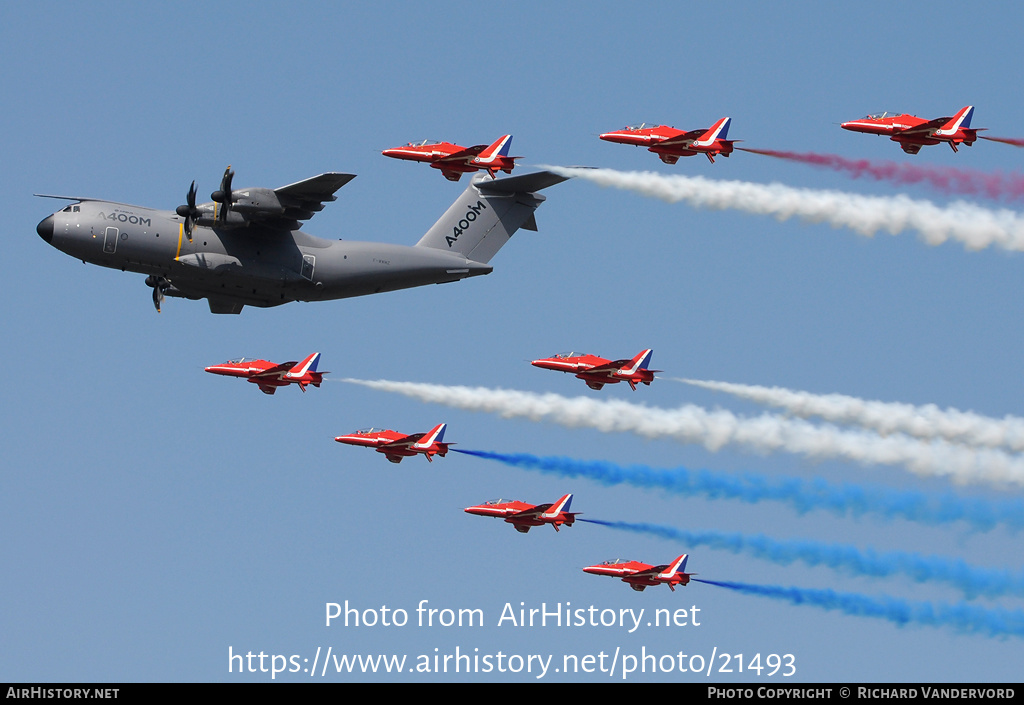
972,580
803,495
960,616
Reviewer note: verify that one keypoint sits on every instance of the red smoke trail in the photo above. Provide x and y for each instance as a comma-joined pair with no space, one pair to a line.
951,180
1004,140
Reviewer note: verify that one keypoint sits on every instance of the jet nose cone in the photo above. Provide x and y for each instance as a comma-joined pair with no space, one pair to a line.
45,229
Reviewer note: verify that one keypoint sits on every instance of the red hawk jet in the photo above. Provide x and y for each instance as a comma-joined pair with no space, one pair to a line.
670,143
597,371
396,446
270,375
913,132
522,515
640,575
454,161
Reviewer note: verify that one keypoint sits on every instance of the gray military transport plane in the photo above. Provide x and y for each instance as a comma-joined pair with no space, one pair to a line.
246,248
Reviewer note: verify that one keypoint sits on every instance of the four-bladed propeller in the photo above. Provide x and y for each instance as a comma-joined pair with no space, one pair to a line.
160,285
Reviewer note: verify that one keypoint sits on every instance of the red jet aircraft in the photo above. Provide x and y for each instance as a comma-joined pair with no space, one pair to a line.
670,143
913,132
454,161
270,375
396,446
522,515
640,575
597,372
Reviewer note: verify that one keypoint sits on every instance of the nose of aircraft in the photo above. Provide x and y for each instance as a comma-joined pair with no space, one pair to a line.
45,229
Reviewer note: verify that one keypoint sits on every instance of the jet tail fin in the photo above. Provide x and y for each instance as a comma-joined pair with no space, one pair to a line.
678,565
961,120
640,362
562,505
718,131
487,214
307,365
498,148
434,435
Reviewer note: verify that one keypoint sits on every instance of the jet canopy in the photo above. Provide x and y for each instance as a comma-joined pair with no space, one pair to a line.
564,355
879,116
423,143
492,502
240,360
367,431
616,561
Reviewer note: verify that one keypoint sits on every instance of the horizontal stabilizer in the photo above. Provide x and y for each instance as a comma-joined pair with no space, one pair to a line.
527,183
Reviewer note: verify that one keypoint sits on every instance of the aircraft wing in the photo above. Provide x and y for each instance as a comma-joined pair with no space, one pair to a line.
305,198
683,140
463,155
926,128
613,366
531,513
645,574
404,442
276,369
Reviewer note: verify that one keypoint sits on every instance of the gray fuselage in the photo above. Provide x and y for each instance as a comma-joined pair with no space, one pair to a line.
252,265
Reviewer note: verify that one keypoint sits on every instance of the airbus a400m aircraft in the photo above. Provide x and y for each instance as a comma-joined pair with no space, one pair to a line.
245,247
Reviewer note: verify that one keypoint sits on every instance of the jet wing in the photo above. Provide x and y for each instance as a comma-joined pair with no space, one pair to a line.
613,366
276,370
683,140
404,442
646,573
463,155
531,513
926,128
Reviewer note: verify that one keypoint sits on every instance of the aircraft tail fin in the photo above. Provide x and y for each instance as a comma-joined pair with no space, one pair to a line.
487,214
718,131
640,362
562,505
435,435
498,148
677,566
307,365
961,120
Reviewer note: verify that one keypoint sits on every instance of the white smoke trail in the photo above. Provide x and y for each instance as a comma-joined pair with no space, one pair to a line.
926,422
974,226
716,429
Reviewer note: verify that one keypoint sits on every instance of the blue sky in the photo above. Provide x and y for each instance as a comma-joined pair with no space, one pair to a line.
155,516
